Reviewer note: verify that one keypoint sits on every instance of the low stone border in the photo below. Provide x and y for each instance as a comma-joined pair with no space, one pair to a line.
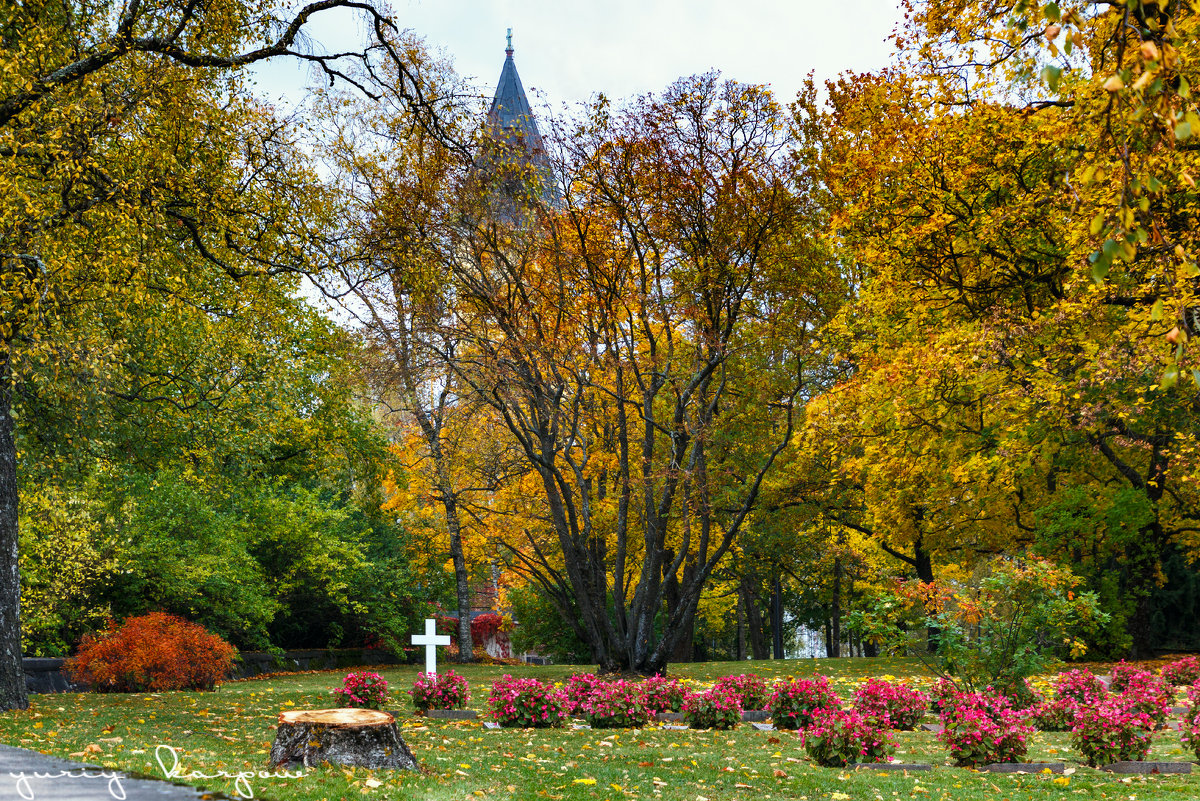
936,728
1148,767
1024,767
452,714
896,766
748,716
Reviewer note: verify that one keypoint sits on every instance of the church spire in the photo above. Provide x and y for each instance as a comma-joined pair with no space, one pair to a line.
510,117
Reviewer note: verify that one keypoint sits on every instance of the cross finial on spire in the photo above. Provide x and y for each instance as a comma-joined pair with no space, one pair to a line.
509,50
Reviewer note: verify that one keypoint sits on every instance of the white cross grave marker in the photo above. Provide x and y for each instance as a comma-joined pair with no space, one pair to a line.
431,640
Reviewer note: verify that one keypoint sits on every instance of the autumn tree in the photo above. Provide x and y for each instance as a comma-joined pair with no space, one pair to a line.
1019,202
399,186
133,154
644,339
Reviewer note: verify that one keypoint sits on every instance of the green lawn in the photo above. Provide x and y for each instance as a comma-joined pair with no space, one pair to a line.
230,731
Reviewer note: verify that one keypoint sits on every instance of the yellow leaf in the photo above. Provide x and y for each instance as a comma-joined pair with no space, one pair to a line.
584,781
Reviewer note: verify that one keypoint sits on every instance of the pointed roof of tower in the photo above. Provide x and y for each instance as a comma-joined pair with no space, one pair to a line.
510,116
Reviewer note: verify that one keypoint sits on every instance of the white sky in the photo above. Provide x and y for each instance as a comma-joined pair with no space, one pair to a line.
566,50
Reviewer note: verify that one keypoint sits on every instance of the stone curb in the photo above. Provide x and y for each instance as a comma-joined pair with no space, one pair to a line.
1024,767
1139,768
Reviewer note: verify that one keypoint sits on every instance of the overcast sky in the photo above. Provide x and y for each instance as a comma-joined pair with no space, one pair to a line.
568,51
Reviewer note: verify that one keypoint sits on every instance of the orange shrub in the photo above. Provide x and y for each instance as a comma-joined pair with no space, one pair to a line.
151,653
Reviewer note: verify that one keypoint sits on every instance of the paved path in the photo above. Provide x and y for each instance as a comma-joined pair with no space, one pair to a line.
28,776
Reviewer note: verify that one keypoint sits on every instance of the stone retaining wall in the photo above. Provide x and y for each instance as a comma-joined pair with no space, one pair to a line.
45,675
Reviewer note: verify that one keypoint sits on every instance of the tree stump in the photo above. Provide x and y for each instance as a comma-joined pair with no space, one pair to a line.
363,737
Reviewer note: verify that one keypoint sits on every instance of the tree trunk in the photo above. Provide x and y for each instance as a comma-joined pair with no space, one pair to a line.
1143,560
364,738
754,625
777,617
462,581
12,674
835,614
740,611
923,562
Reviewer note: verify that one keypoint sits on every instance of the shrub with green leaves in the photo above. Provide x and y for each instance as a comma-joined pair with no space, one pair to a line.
1014,619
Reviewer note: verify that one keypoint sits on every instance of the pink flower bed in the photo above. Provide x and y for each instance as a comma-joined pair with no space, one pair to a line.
578,689
1080,686
526,703
836,739
715,709
981,729
616,704
440,691
1111,731
752,691
795,701
663,694
1183,671
362,691
893,706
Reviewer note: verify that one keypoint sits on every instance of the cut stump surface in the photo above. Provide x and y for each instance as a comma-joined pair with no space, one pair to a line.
363,737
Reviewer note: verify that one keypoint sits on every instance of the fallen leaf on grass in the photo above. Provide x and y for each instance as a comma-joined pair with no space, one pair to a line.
774,740
780,774
373,783
645,764
741,786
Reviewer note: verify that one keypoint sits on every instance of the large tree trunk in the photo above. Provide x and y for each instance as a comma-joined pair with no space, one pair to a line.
1143,563
754,624
685,649
462,581
12,674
